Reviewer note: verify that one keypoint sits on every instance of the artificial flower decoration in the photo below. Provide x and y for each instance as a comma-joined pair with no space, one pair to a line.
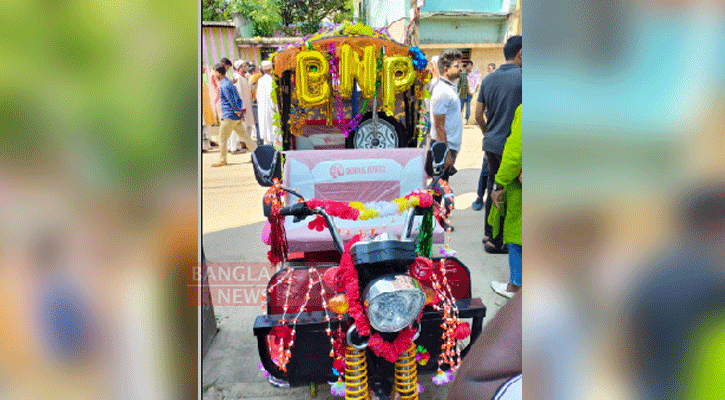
431,296
281,333
421,268
463,331
419,61
333,279
317,224
446,251
451,375
441,378
421,388
337,388
339,365
422,356
339,304
264,371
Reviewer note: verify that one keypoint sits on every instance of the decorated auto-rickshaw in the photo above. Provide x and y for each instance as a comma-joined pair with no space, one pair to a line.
359,301
330,83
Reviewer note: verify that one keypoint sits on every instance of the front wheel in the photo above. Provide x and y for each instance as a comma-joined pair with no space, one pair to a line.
388,134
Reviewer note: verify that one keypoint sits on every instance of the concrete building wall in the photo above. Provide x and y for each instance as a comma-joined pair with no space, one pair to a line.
466,5
380,13
460,30
481,57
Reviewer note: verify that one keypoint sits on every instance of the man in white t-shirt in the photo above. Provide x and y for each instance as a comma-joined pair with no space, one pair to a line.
445,107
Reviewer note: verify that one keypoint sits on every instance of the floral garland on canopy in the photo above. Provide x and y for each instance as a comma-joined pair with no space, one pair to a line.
335,104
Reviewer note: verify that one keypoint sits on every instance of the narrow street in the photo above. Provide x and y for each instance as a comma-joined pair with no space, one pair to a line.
232,220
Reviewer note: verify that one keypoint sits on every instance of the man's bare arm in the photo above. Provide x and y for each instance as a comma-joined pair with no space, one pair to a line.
480,117
494,357
440,122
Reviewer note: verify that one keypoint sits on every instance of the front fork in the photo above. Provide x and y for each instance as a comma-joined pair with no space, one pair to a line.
356,375
406,375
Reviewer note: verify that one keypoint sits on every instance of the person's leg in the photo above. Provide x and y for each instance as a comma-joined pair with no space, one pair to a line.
241,130
514,267
482,183
468,108
225,130
256,125
494,161
234,142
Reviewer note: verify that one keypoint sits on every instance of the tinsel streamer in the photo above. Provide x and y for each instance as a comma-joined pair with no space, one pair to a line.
278,250
425,235
335,75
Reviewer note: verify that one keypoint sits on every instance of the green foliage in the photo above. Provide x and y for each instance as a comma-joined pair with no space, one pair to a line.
310,13
213,10
345,14
264,14
269,15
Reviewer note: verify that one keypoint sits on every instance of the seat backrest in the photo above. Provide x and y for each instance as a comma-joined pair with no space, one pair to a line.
355,175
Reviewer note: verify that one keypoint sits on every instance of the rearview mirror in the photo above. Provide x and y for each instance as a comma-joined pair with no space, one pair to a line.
267,164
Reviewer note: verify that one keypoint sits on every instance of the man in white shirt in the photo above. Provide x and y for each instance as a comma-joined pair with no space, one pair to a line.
266,109
445,107
245,92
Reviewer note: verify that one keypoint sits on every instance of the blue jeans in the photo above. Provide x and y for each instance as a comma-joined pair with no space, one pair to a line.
467,104
515,263
483,185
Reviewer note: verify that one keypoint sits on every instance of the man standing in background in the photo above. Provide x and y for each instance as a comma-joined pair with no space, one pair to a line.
446,108
264,104
464,90
499,96
240,81
232,114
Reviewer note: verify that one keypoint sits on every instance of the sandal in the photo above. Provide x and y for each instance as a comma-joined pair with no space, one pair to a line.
491,248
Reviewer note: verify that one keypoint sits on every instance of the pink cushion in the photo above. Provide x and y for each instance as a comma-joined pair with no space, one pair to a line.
352,175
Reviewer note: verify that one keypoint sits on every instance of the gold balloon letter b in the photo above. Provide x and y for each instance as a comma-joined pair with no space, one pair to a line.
312,71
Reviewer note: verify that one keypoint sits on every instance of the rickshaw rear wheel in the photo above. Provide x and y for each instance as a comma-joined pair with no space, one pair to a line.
390,134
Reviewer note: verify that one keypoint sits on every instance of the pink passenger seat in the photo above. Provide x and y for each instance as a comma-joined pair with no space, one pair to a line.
352,175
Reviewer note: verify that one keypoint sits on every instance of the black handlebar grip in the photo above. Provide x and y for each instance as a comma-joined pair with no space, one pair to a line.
299,210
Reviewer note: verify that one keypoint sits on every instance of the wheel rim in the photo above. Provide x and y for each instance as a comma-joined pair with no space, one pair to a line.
385,138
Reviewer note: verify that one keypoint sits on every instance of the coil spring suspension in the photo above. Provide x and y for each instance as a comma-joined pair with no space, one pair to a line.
356,375
406,375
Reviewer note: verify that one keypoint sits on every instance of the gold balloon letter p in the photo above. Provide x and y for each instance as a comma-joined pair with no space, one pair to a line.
398,76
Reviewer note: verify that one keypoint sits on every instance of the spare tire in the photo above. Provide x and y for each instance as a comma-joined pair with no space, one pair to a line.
389,134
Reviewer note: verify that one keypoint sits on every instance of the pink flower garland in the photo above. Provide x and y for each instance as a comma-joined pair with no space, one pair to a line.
337,209
343,210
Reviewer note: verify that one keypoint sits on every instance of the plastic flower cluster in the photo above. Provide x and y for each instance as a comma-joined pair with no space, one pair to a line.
442,377
317,224
448,252
264,371
358,29
337,388
419,61
357,210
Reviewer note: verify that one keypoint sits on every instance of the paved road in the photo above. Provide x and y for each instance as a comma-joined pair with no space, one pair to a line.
231,222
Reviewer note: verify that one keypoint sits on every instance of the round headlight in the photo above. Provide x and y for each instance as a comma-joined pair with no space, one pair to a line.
394,302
